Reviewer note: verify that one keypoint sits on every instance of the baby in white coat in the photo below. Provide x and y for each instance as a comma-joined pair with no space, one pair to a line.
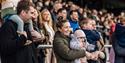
79,42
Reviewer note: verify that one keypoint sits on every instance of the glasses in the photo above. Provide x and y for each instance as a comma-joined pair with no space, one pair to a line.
81,37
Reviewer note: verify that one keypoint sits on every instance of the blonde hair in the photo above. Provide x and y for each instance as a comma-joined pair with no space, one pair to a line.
41,17
2,1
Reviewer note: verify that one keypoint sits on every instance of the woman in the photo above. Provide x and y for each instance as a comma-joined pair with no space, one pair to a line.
63,52
118,41
46,28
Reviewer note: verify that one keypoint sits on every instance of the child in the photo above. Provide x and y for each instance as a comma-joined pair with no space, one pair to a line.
79,42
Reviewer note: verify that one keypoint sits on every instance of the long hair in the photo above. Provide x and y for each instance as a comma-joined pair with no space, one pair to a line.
41,17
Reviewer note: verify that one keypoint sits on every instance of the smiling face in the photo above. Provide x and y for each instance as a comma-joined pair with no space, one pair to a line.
63,13
74,16
66,29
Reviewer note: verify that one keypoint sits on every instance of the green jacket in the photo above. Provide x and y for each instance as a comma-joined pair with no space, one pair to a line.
6,11
62,51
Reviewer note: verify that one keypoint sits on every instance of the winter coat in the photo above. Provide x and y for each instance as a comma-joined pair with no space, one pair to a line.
62,50
12,47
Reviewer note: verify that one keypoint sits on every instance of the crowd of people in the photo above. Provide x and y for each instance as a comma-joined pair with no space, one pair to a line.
77,34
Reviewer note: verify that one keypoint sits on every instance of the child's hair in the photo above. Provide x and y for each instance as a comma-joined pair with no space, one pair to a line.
60,22
84,21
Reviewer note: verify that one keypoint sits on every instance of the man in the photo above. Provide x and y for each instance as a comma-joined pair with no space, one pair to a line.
74,21
62,13
16,48
56,7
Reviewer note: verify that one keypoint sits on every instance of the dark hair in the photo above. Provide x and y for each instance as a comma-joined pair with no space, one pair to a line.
60,10
24,5
71,12
60,22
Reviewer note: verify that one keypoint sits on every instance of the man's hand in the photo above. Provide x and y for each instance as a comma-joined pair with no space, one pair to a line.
95,55
88,55
28,42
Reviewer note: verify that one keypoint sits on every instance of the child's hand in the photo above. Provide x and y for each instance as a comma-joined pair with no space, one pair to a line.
95,55
88,55
101,55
